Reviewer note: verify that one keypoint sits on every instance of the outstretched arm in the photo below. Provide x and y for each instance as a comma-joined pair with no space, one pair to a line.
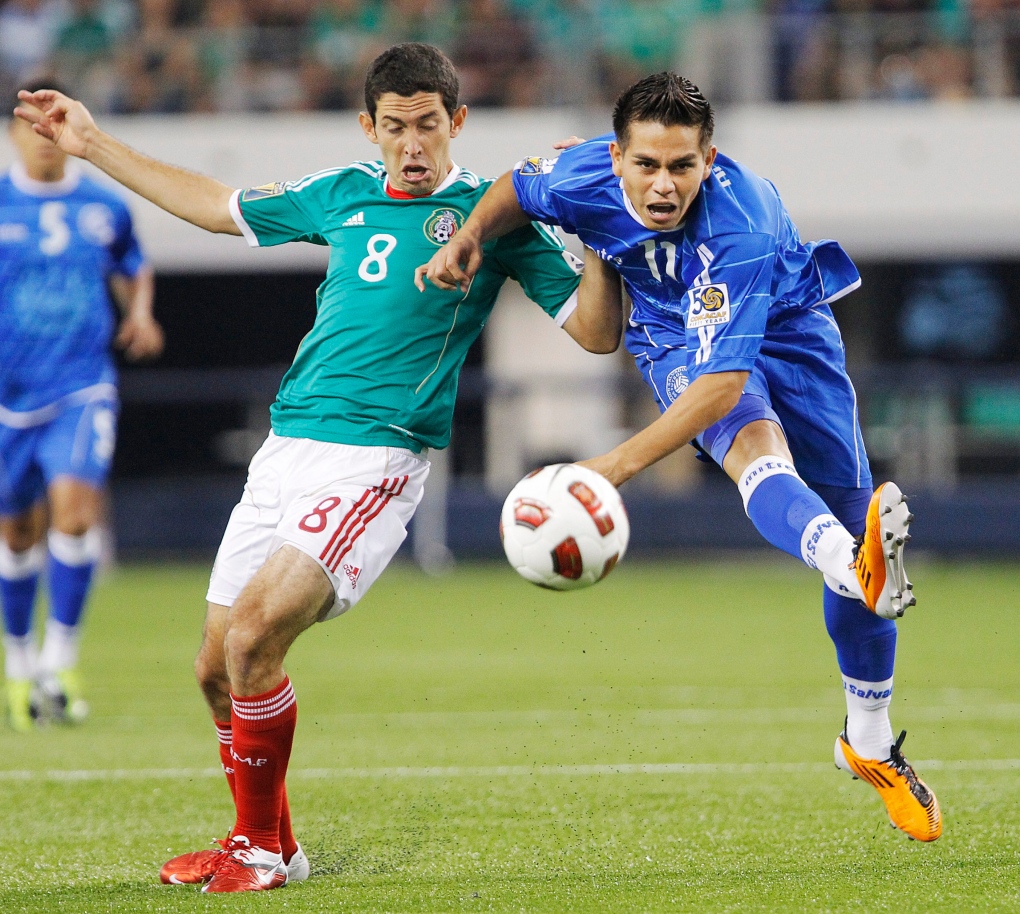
455,264
197,199
705,402
597,322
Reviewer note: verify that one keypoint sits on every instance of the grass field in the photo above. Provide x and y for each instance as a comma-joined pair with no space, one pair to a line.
661,743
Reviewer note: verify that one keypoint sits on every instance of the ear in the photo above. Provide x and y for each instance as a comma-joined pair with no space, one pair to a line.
709,162
616,151
368,126
457,121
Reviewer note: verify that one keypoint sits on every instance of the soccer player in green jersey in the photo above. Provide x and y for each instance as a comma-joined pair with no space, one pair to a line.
372,387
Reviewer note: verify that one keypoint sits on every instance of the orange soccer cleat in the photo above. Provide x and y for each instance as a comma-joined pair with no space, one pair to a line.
879,554
912,807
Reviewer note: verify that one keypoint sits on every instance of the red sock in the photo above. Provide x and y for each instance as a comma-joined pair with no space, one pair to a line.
224,735
288,842
263,732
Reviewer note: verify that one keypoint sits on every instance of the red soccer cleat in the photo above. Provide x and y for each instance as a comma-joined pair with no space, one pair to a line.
194,868
199,867
247,869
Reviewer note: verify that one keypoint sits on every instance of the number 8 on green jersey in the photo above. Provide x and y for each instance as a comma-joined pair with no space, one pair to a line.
381,363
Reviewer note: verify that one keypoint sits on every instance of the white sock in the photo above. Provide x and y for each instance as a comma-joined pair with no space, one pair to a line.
16,566
828,546
76,550
60,647
868,729
20,656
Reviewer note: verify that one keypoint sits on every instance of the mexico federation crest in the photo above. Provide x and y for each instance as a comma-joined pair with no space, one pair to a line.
442,225
263,190
676,382
709,305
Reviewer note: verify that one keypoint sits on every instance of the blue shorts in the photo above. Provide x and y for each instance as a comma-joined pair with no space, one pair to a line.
77,442
799,381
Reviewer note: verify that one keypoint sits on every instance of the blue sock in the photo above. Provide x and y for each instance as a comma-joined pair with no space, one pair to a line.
780,504
866,651
865,643
18,598
19,580
72,561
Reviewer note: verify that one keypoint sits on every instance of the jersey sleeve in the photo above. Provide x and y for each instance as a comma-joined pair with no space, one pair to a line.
535,257
281,212
533,184
728,302
125,250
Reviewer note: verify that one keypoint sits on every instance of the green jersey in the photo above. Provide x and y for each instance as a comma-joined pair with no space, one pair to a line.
380,365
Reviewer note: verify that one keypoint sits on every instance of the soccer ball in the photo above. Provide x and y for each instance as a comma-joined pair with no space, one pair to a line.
564,527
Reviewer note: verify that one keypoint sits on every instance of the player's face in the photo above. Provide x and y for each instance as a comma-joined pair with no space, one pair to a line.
42,160
413,134
662,170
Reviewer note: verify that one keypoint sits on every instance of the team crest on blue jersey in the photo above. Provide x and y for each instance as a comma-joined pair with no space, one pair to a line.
96,223
264,190
676,382
535,165
709,305
443,224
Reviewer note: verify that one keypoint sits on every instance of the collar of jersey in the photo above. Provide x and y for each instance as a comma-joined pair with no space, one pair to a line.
27,185
404,195
637,218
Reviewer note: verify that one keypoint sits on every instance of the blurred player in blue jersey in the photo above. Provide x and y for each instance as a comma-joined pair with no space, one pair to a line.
732,330
65,244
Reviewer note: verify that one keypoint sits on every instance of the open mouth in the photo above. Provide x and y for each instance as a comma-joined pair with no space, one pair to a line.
662,212
414,174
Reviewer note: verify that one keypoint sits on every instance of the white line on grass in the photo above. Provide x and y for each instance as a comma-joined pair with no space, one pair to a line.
495,771
674,717
660,716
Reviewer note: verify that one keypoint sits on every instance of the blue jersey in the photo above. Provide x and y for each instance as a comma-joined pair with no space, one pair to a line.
59,244
714,285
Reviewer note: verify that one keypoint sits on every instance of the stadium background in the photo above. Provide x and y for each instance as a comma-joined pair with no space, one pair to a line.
888,125
473,743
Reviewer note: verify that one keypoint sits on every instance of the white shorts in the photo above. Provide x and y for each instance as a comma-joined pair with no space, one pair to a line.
343,505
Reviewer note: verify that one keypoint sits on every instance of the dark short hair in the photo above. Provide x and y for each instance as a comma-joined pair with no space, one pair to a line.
406,69
667,99
34,86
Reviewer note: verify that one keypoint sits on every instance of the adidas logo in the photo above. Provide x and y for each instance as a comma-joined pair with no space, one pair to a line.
356,219
353,572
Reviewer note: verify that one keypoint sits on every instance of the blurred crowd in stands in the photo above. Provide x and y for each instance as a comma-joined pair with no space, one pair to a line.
169,56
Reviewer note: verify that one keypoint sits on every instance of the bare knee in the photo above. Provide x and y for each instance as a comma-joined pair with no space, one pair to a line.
74,521
210,664
18,538
23,531
211,673
757,439
75,506
288,594
251,647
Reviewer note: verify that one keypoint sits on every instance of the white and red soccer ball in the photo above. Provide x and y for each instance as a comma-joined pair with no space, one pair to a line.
564,527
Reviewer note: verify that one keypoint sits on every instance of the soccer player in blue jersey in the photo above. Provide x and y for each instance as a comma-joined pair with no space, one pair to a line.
732,330
65,241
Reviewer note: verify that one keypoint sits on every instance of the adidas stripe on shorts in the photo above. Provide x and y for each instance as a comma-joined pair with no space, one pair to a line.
345,506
